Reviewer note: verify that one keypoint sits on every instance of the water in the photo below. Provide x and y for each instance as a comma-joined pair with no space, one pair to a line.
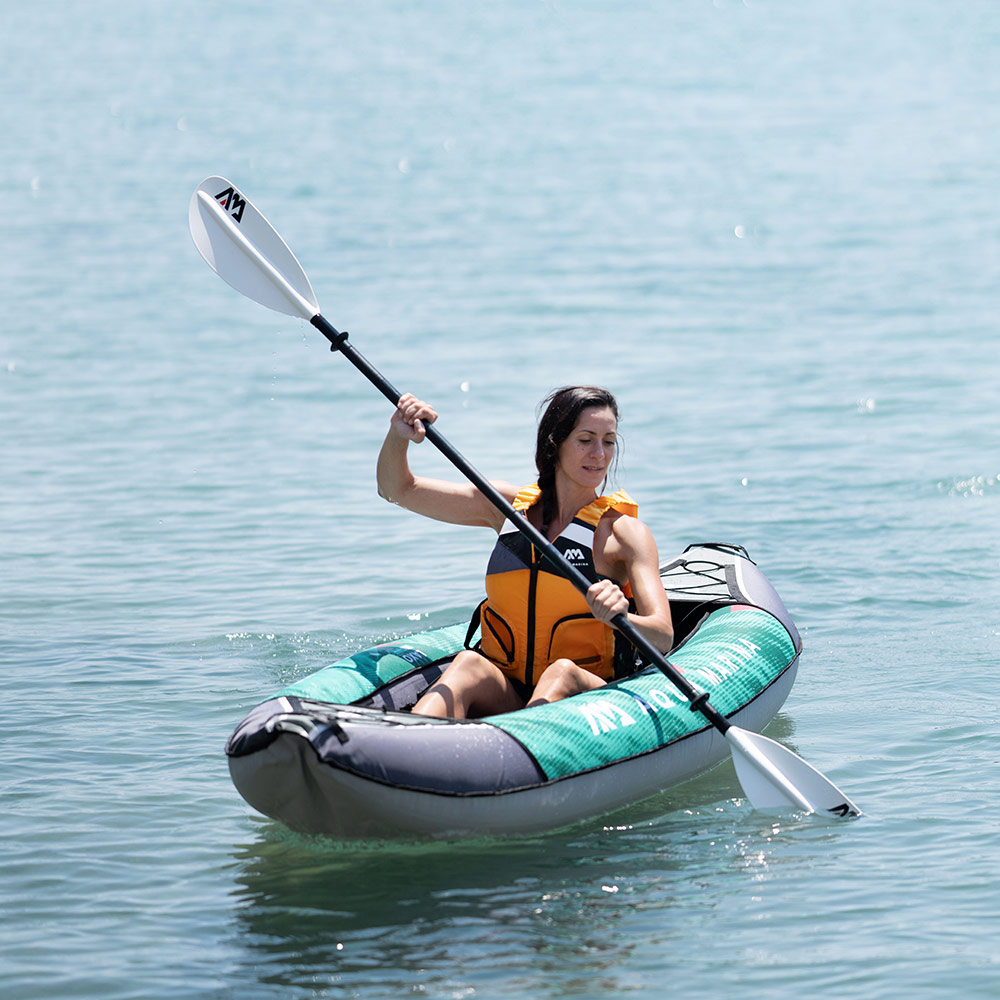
770,227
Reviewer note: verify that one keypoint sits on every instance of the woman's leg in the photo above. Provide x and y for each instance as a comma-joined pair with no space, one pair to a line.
562,679
470,687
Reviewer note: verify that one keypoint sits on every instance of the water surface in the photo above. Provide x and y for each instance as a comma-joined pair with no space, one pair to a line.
770,228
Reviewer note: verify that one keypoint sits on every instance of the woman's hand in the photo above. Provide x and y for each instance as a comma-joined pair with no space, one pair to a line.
411,416
454,503
606,600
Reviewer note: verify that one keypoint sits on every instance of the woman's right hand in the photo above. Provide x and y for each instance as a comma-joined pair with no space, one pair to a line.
441,499
411,416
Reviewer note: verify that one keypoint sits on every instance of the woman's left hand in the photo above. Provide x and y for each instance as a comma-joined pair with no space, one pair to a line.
606,600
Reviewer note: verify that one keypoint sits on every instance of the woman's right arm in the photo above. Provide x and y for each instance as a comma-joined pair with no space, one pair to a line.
456,503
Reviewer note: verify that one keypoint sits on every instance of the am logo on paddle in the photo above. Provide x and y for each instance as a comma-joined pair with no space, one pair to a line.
232,202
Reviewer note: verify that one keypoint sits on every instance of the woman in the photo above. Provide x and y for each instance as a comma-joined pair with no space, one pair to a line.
541,639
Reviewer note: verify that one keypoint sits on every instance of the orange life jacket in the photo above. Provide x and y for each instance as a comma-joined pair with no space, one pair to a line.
532,616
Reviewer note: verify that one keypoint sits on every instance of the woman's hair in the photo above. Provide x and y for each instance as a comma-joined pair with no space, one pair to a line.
562,410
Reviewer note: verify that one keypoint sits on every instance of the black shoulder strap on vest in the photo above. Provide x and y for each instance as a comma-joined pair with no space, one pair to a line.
474,624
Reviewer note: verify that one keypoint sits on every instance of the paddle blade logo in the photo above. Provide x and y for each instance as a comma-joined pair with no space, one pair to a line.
232,202
844,809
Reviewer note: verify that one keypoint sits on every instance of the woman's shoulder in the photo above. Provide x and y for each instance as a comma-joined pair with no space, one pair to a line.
608,508
624,529
521,497
620,503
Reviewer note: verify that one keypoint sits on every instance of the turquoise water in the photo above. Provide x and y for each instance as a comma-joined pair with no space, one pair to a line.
772,228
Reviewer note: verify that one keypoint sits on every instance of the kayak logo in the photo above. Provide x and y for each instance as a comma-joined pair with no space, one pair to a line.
232,202
575,555
604,716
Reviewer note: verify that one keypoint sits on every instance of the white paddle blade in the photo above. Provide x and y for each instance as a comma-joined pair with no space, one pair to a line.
775,778
242,247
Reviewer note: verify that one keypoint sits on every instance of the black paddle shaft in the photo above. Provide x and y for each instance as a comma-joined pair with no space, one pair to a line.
698,699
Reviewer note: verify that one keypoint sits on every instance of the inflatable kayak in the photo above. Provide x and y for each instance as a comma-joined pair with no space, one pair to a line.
339,753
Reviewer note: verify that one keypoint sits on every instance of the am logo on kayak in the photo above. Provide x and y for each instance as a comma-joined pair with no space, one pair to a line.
603,715
233,202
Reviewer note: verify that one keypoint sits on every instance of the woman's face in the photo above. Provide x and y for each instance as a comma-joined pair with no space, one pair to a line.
586,455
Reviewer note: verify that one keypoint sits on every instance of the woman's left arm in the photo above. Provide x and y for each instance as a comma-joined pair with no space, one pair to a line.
631,547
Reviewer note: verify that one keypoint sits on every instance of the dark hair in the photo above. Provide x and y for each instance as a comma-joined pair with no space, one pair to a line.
562,410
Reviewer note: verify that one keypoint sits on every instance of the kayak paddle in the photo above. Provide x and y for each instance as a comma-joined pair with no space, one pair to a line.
244,249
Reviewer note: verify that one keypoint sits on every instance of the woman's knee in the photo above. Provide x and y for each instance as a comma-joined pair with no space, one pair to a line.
471,665
563,678
558,671
470,685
